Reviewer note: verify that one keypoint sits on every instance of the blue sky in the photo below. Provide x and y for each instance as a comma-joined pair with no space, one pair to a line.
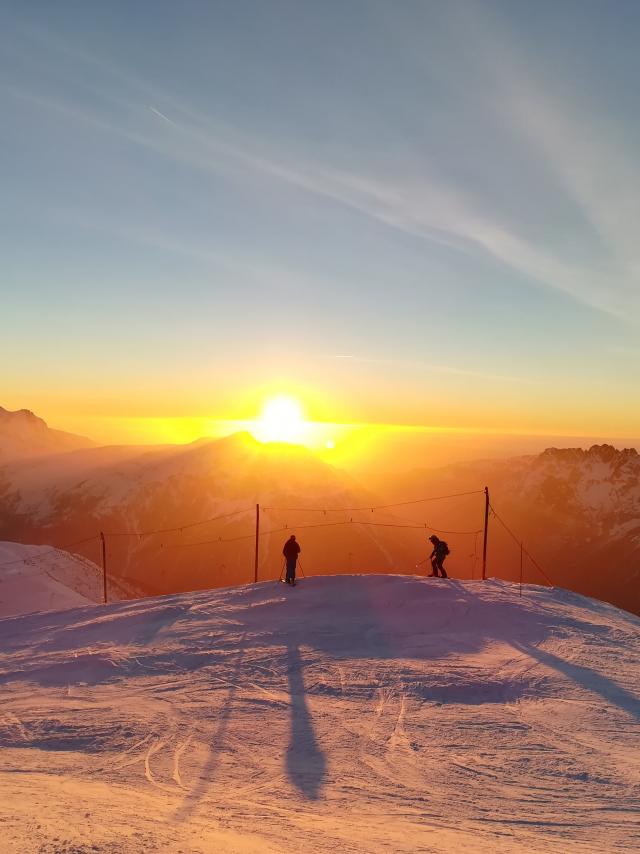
423,212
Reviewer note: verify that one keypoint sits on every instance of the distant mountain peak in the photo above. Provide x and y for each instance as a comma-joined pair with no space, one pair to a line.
21,415
24,434
604,453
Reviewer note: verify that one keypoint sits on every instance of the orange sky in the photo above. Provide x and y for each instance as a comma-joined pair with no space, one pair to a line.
185,414
426,251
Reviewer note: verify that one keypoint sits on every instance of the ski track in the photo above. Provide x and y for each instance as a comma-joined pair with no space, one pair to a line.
455,718
176,762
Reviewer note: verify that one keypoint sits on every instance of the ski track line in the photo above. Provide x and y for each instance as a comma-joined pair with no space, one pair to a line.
180,749
147,769
137,661
155,748
240,687
342,680
376,714
384,695
125,758
14,721
566,741
399,735
269,694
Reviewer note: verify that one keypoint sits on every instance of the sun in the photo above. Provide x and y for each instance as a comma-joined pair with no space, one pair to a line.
281,420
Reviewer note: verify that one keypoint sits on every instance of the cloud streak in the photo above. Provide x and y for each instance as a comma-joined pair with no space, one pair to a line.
162,115
591,169
418,364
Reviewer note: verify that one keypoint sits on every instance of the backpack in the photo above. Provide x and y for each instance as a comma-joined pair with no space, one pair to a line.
443,548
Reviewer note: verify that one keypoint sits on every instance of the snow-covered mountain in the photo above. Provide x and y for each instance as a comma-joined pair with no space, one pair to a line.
123,490
362,714
24,435
580,509
41,578
577,511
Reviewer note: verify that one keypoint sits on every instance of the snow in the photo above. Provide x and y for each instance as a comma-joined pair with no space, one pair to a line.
358,713
43,578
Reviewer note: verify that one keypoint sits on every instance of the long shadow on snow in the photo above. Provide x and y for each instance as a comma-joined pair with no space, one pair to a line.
305,761
382,623
401,619
184,812
589,679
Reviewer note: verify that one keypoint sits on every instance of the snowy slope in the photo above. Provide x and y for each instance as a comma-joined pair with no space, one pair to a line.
352,713
41,578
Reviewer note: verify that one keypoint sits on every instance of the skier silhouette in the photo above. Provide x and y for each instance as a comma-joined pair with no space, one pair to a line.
437,556
291,551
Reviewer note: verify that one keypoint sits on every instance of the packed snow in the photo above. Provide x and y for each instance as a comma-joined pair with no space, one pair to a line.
42,578
351,713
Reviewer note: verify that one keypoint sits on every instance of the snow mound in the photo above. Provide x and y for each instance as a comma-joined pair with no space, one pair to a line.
369,713
42,578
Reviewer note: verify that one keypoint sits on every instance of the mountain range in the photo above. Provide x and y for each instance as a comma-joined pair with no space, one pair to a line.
182,517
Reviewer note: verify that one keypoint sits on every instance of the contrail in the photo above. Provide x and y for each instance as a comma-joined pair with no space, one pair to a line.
162,116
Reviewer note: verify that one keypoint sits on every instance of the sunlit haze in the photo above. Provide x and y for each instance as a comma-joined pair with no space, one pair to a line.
416,214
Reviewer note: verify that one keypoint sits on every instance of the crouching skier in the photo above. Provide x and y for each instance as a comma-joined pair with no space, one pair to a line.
291,551
437,556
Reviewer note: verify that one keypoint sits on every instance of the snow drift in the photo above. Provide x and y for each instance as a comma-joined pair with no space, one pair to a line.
365,713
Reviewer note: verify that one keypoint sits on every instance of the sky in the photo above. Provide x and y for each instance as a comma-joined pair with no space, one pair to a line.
412,213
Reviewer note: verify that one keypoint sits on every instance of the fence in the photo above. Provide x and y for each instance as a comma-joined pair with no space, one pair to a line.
353,517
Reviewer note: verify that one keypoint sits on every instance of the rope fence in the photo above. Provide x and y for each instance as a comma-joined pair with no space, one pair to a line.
521,546
179,528
371,508
259,536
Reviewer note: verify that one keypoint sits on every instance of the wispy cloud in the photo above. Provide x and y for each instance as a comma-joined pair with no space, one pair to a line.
588,163
418,364
424,208
584,149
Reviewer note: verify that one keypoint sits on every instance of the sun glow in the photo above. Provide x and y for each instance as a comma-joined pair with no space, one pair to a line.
282,420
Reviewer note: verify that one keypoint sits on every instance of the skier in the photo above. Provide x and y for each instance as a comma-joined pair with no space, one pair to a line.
291,551
437,556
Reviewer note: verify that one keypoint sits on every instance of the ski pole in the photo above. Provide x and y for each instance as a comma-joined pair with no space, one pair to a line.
283,568
301,569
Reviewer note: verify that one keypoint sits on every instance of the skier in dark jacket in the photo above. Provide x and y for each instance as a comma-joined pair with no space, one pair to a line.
291,551
437,556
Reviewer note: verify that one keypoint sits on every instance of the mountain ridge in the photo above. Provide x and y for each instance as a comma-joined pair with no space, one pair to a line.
25,435
576,510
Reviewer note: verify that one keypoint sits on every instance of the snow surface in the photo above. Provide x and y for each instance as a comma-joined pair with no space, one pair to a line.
43,578
358,713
